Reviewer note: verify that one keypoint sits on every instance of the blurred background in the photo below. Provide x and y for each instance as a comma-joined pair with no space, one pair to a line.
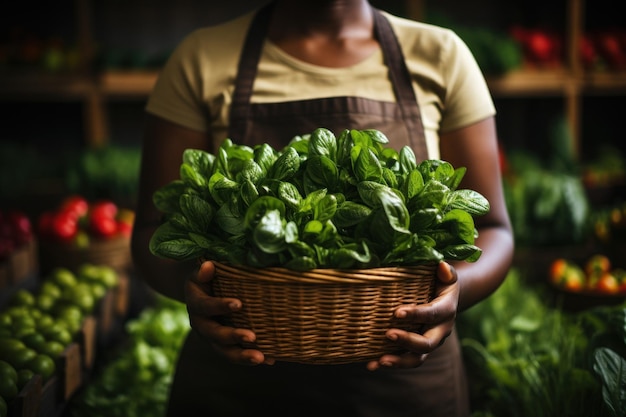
74,79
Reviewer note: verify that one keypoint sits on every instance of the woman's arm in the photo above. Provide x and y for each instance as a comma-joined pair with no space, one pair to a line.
461,284
476,148
163,147
162,150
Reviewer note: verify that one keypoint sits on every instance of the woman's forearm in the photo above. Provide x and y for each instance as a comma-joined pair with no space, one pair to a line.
481,278
166,277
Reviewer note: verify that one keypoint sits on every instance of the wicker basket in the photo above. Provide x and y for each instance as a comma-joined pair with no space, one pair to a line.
113,252
323,316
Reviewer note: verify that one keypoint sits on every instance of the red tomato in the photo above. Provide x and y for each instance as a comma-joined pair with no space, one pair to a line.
64,226
557,270
620,275
540,46
608,284
75,204
573,284
574,279
104,208
103,226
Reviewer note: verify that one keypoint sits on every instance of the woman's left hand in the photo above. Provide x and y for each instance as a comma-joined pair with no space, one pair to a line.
437,318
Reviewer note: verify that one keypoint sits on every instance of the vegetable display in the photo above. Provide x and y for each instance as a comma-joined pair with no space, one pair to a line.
15,230
323,201
76,220
137,377
596,276
527,358
36,326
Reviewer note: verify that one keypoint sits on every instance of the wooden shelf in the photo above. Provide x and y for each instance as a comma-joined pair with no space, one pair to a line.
33,85
97,88
127,83
139,83
530,83
607,83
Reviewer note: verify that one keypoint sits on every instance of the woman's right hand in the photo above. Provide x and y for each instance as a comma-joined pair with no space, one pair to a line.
203,311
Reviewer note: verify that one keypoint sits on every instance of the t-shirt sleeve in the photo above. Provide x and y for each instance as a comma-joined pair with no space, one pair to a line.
176,95
467,96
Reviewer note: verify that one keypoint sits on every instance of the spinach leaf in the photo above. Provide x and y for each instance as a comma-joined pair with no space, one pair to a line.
320,202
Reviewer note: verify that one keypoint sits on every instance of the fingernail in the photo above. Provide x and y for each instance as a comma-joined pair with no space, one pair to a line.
234,305
401,314
392,337
386,364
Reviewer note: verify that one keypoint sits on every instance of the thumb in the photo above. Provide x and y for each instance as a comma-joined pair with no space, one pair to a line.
446,273
206,272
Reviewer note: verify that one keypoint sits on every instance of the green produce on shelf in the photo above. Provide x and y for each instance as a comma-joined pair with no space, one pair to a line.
527,357
545,195
547,207
136,381
109,172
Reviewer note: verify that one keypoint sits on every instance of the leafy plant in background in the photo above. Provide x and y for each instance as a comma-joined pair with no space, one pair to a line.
546,199
322,201
110,172
135,382
527,358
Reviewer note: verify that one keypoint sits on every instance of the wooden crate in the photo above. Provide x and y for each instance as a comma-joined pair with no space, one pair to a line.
71,371
87,340
24,262
50,403
28,400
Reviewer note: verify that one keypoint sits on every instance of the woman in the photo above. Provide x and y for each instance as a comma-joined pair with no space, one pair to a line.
336,64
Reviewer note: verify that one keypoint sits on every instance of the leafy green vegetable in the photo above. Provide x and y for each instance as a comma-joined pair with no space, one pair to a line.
135,379
321,202
527,357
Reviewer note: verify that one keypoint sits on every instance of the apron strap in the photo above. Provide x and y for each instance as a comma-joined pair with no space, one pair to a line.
402,85
393,59
246,73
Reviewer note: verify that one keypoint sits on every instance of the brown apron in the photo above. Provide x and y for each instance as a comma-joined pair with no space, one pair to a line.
207,385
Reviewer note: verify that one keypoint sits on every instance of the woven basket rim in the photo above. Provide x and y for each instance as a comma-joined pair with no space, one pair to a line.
326,275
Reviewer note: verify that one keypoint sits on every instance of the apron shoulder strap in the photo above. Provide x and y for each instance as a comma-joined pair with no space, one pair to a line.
246,72
393,58
402,84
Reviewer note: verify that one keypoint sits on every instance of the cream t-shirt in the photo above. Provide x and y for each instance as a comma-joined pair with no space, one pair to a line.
195,87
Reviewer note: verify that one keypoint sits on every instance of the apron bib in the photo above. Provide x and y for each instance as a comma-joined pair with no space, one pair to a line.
207,385
277,123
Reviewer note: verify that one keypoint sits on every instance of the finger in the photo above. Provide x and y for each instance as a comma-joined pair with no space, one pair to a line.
206,272
417,347
446,273
243,356
199,297
441,309
229,340
405,360
430,340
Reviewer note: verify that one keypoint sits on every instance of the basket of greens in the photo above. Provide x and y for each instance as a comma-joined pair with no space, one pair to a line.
322,239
